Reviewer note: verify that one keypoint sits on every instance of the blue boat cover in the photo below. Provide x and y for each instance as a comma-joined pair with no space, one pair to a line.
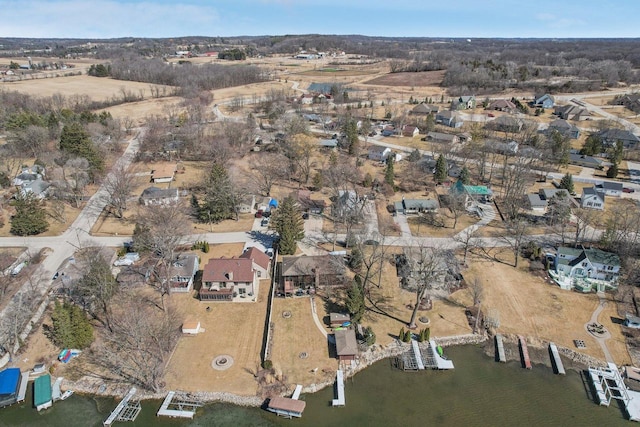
9,379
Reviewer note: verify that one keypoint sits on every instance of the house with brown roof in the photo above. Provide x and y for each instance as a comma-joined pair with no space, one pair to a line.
261,261
164,172
311,271
346,344
423,109
502,105
410,131
307,203
223,279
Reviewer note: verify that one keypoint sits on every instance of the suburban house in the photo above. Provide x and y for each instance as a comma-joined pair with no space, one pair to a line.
506,124
630,101
538,202
592,198
348,203
31,181
572,112
609,138
548,193
610,188
159,196
473,194
163,173
223,279
586,269
346,344
379,153
415,206
307,203
502,105
261,261
446,138
183,270
247,204
585,161
500,147
423,109
464,103
311,271
410,131
543,101
328,143
449,118
564,128
134,275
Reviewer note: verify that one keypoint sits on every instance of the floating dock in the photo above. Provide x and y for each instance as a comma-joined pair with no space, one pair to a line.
555,359
296,392
608,384
339,401
127,409
22,390
500,349
417,355
524,352
55,392
176,405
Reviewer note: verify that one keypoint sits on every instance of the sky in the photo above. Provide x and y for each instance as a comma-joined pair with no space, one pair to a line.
405,18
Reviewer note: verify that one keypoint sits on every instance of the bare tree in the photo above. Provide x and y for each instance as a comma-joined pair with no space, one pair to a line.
467,238
515,232
119,184
160,230
476,290
267,169
139,345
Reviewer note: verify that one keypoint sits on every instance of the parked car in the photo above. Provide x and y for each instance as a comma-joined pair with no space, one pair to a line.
259,214
269,252
305,216
264,222
628,190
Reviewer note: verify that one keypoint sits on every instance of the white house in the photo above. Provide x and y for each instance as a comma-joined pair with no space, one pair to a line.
592,198
31,180
610,188
159,196
183,271
586,269
379,153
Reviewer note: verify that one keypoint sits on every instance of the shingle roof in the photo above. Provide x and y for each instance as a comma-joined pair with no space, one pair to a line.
257,256
228,270
346,344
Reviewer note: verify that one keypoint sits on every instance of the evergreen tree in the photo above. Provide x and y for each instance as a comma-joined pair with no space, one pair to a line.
75,140
430,123
218,203
351,132
612,172
30,217
389,174
592,146
567,183
465,176
71,328
355,301
414,156
288,223
441,170
356,259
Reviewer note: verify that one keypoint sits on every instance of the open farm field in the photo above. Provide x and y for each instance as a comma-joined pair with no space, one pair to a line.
424,78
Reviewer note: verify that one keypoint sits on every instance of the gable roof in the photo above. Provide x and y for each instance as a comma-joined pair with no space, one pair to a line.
164,170
593,254
592,191
257,256
308,265
618,134
611,186
159,193
502,104
228,270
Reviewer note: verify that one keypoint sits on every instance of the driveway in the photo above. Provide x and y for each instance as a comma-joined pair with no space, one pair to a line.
403,223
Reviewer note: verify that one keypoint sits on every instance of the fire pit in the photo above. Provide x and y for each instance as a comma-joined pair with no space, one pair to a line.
222,362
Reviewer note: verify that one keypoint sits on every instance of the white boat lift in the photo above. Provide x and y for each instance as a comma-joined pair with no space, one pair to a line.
178,405
127,409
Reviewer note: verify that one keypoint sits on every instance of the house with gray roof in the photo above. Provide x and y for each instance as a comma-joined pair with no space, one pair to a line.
449,118
585,161
415,206
543,100
159,196
592,198
537,203
31,181
423,109
610,188
609,138
464,103
446,138
311,271
564,128
572,112
586,269
506,124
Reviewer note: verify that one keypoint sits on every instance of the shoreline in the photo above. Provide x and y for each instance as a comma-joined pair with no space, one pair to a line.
538,352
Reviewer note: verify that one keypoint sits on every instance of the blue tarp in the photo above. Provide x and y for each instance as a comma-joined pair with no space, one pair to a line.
273,203
9,379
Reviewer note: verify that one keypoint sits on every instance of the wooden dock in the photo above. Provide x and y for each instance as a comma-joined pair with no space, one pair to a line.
417,355
500,349
555,359
524,352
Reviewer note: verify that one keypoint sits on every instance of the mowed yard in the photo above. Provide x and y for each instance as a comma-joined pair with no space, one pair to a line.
540,310
232,329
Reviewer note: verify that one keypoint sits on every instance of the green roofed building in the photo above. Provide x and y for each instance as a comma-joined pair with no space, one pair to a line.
42,392
473,193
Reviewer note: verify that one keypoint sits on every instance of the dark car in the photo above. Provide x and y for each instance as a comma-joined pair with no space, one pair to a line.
305,216
628,190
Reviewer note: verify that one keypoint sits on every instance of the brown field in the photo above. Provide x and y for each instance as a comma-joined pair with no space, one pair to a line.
419,229
422,79
98,89
337,72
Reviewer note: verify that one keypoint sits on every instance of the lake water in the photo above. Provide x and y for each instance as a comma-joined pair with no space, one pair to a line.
478,392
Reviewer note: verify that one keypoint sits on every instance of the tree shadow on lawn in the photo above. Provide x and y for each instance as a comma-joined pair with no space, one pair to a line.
486,254
383,308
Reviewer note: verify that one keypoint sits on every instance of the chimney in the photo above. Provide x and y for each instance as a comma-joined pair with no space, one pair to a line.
230,275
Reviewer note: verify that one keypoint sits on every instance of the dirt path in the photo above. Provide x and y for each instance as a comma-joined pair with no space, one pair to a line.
601,339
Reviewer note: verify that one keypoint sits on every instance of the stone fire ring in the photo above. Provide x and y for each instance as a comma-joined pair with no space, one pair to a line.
286,314
222,362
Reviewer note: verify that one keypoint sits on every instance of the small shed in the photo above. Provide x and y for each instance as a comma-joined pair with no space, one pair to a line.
346,344
191,327
338,319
